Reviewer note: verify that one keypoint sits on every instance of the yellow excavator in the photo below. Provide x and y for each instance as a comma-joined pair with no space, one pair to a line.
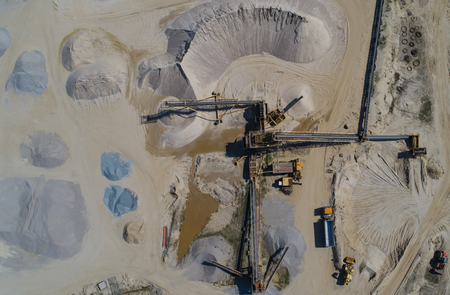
348,268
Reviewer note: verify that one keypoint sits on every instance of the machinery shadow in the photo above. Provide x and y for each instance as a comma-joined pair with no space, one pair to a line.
319,234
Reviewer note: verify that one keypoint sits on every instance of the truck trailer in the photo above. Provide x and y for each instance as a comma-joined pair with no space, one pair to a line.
328,222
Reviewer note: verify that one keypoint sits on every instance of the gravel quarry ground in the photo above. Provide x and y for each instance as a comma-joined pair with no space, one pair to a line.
86,189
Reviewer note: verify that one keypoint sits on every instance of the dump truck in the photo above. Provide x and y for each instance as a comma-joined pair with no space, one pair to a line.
286,184
293,167
348,269
328,222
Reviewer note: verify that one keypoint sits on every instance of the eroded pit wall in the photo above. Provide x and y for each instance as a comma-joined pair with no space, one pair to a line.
213,35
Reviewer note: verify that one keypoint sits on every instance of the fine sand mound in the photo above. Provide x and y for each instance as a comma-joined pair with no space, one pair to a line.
83,48
183,133
115,166
133,232
42,217
278,237
29,74
5,40
120,200
303,107
97,80
46,150
201,253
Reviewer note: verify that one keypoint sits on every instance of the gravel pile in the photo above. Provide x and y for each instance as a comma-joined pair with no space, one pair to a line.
278,237
201,253
115,166
43,217
120,200
98,70
46,150
29,74
134,232
97,80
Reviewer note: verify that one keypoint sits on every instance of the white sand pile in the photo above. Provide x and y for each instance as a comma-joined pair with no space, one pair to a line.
134,232
278,237
378,208
205,250
46,150
303,107
42,217
98,80
83,48
5,40
183,134
29,74
99,70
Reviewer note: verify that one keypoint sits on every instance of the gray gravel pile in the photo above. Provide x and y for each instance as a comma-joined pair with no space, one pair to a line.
170,80
278,237
115,166
120,200
5,40
201,253
29,74
46,150
43,217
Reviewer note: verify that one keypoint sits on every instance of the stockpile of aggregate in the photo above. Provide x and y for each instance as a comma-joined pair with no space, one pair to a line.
97,68
205,40
46,150
201,253
134,232
29,74
120,200
115,166
43,217
278,237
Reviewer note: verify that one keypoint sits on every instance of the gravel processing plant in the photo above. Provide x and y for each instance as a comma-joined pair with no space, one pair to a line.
224,147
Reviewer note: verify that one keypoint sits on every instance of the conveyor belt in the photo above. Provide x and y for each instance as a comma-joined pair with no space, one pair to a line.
210,103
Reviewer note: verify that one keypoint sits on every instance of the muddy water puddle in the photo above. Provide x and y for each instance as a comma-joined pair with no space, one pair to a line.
199,207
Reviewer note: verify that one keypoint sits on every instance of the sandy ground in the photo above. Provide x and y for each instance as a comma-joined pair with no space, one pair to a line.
111,124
